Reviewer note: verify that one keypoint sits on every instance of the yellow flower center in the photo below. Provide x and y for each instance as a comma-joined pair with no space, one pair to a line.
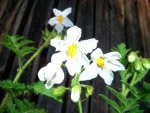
100,62
72,50
60,19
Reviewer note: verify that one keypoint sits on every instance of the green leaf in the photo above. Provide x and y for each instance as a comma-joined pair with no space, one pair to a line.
19,106
46,34
16,89
111,102
146,86
25,42
8,84
10,108
119,96
18,44
25,51
39,88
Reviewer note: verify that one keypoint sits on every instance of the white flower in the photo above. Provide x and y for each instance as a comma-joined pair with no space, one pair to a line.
75,93
52,74
60,20
103,64
72,51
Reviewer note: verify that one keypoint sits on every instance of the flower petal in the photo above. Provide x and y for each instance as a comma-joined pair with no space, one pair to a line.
50,70
73,67
58,58
60,45
57,12
73,34
87,46
114,65
67,11
59,27
89,73
59,76
96,53
113,55
82,59
107,75
41,74
67,22
53,21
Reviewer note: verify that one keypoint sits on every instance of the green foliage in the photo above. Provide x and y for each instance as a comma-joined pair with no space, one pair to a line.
111,102
123,104
19,106
39,88
142,94
17,88
18,44
47,34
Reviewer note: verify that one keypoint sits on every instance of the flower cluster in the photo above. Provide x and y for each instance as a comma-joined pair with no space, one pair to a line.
72,53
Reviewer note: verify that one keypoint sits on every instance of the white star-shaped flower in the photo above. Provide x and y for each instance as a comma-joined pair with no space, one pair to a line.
103,64
72,51
52,74
60,20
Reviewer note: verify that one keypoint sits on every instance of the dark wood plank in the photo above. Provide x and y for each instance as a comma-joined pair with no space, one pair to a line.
143,10
14,9
102,16
131,26
3,4
8,27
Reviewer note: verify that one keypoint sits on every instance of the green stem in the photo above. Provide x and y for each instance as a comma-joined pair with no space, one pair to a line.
21,70
134,81
80,106
125,91
30,60
4,102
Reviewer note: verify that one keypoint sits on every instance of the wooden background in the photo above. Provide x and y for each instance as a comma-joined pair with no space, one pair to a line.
109,21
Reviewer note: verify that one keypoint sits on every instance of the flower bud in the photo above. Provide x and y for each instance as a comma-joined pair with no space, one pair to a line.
132,57
146,63
138,65
89,91
75,93
59,91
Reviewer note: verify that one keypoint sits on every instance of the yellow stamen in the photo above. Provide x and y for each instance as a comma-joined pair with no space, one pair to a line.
60,19
72,50
100,62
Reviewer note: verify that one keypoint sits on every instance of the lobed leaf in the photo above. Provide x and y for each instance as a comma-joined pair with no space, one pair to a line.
17,88
119,96
18,44
22,106
111,102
